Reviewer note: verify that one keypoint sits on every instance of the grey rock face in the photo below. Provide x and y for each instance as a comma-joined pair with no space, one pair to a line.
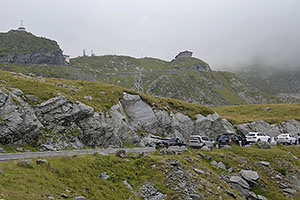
50,58
199,171
238,180
291,126
174,150
220,165
19,125
74,124
263,145
205,148
260,197
59,110
80,198
103,175
149,192
139,113
289,191
41,161
32,97
249,175
227,147
128,186
265,163
212,125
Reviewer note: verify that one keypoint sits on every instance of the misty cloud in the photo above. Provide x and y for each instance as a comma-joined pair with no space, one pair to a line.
223,33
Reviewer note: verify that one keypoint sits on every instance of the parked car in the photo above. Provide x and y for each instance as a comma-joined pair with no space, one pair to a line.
200,141
286,139
167,142
253,137
227,139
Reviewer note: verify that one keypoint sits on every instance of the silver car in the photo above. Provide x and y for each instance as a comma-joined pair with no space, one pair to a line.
200,141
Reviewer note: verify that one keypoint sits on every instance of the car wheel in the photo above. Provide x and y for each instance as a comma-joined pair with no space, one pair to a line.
258,140
269,140
291,142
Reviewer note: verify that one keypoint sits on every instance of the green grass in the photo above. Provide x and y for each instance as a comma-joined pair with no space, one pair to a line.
80,174
248,113
239,156
103,95
19,42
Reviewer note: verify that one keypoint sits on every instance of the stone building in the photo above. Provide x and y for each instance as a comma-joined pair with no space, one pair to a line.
184,54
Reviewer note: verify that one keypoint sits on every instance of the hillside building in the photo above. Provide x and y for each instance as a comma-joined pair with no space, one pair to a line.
67,58
21,27
184,54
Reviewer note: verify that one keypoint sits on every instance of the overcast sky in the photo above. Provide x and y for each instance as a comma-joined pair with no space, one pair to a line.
221,32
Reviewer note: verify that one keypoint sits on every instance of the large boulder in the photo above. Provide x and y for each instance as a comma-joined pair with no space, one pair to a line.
149,192
60,111
139,113
249,175
240,181
19,124
212,125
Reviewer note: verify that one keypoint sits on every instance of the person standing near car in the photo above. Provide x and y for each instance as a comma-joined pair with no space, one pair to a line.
240,140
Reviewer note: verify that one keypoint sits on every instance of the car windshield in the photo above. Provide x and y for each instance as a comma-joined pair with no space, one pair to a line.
223,137
194,138
283,135
205,138
251,134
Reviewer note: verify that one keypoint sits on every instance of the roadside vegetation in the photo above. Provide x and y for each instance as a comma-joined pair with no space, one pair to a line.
272,113
79,174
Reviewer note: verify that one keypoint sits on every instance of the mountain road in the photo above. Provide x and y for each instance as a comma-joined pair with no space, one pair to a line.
29,155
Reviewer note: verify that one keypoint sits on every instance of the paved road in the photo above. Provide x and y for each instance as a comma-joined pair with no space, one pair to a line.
26,155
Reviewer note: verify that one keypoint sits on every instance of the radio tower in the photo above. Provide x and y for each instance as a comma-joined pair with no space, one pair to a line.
138,83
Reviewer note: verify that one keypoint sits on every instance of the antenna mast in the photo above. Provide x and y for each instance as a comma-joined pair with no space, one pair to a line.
138,82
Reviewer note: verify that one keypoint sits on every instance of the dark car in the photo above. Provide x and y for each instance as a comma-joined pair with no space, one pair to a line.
227,140
167,142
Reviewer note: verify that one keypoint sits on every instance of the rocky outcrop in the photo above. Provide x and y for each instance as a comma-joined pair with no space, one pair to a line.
21,47
292,127
37,57
19,123
59,123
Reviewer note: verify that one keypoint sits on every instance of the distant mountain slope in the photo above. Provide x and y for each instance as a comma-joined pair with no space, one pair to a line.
283,82
25,48
128,64
188,79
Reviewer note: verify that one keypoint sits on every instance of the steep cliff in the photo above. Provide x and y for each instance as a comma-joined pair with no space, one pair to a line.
25,48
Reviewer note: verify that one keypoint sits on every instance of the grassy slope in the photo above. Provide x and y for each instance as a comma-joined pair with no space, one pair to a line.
24,42
247,113
80,174
159,77
103,95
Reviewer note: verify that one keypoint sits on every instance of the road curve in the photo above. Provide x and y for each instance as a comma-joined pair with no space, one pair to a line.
28,155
